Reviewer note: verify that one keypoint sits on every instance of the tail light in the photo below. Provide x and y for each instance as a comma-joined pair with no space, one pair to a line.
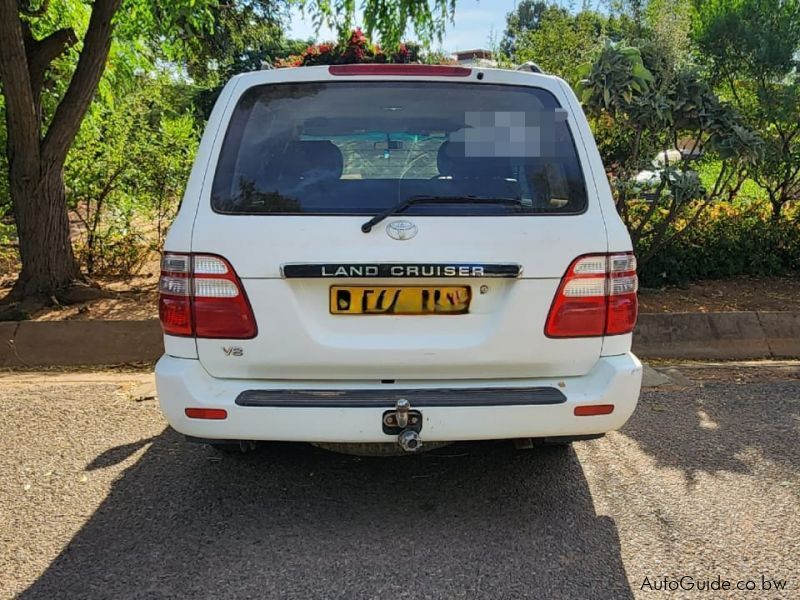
200,295
597,296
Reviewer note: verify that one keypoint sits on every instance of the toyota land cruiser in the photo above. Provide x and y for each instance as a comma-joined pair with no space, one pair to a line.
397,253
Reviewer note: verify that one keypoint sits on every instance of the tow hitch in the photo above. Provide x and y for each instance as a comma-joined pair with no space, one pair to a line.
405,424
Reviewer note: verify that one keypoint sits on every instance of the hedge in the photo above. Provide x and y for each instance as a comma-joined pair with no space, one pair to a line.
727,241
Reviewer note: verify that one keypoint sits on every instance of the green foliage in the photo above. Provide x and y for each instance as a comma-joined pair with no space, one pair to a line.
245,36
751,49
560,41
670,27
642,104
725,242
385,20
9,259
126,171
758,38
5,196
526,18
615,82
555,38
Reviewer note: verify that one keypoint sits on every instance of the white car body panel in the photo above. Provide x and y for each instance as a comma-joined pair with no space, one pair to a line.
499,343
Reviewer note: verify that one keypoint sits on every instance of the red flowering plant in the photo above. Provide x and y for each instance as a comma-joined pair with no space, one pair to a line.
357,49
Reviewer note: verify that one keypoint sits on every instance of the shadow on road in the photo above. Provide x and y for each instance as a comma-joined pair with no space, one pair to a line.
720,426
292,521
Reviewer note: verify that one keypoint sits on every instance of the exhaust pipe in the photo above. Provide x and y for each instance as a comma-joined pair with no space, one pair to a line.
409,440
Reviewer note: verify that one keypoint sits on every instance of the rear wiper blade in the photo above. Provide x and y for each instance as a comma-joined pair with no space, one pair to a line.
424,199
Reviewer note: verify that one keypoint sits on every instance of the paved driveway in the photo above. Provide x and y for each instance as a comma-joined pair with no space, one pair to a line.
98,499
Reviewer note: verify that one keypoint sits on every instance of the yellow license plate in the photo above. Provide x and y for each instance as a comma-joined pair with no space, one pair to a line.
400,300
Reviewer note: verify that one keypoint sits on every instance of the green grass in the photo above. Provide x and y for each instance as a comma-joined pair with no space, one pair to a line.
748,193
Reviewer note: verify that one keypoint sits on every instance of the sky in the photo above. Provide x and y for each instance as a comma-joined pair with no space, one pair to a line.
473,25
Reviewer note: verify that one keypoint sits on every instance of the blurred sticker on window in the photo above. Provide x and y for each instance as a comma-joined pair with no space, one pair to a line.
512,134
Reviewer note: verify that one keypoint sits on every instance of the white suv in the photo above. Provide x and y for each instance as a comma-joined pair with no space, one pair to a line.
397,253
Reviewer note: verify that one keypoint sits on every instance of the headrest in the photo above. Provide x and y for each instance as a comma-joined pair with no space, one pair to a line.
452,161
311,160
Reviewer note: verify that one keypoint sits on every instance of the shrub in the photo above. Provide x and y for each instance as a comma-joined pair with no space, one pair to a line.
126,173
727,241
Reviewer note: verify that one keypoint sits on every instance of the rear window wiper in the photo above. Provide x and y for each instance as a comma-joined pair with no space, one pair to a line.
424,199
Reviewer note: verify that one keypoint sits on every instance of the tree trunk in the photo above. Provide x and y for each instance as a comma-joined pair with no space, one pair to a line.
48,262
36,157
777,205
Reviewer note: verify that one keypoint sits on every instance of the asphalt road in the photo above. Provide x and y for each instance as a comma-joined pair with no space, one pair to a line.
98,499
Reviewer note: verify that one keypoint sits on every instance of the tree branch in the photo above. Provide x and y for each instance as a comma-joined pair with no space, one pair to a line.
43,52
21,118
82,87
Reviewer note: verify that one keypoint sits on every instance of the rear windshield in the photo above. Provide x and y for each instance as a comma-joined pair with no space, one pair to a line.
339,148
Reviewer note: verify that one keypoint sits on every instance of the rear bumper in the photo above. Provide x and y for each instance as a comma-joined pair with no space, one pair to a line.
348,411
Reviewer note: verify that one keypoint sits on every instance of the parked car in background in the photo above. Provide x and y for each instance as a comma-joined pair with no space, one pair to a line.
665,165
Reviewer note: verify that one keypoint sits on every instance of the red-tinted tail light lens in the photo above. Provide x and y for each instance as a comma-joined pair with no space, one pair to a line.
214,414
200,295
592,410
597,296
174,294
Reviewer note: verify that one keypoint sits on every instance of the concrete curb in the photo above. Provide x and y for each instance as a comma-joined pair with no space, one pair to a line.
65,343
722,335
700,336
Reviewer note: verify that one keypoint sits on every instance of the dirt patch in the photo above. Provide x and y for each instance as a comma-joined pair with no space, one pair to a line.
131,298
745,293
121,306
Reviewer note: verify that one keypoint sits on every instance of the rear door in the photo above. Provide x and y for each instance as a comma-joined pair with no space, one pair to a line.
300,166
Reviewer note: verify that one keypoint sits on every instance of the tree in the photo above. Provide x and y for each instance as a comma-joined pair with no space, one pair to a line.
648,106
751,47
561,41
36,151
670,26
526,17
32,39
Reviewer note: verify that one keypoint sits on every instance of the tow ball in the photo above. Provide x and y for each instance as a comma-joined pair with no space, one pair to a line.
405,423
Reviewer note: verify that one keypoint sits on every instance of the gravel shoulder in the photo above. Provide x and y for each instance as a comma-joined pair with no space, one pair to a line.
98,499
